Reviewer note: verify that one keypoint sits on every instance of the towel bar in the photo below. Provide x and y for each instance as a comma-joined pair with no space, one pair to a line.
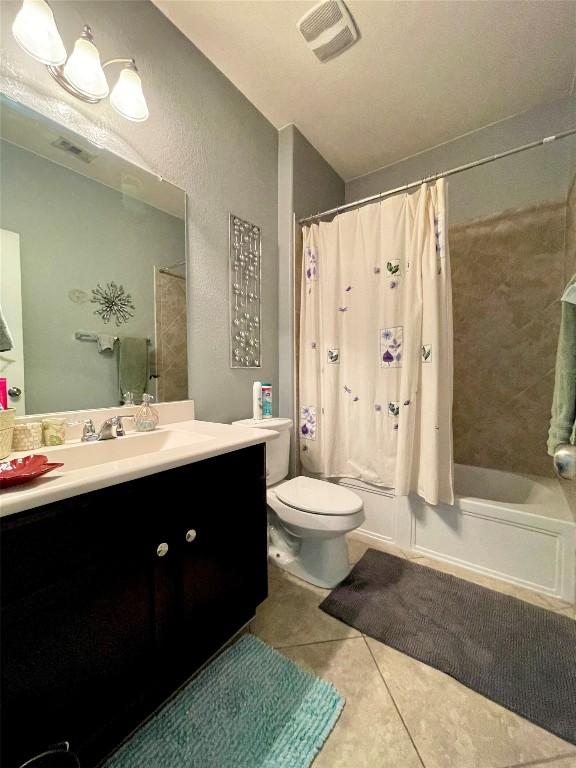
86,336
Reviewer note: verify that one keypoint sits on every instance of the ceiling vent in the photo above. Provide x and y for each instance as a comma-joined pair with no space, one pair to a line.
72,149
328,29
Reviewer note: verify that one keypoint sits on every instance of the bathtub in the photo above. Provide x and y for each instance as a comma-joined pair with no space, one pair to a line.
518,528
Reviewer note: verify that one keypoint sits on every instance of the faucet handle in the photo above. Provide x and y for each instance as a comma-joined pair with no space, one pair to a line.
120,431
88,431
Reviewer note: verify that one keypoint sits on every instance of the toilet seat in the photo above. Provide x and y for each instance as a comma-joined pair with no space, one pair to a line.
301,523
342,510
318,497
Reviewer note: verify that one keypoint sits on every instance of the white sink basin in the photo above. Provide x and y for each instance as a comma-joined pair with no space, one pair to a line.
88,467
84,455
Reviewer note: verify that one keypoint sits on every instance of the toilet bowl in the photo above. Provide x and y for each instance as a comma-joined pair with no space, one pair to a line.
308,519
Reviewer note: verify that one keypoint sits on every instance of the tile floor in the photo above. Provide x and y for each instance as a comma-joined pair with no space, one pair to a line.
400,713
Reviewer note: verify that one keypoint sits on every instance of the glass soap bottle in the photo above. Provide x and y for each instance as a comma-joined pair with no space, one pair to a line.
146,418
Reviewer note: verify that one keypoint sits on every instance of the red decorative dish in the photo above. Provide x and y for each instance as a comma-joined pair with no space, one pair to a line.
19,471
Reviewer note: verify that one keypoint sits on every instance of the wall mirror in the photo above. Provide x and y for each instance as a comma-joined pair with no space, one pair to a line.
92,272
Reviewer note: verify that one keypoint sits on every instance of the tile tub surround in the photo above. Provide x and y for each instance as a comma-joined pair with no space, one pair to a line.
508,273
400,713
171,337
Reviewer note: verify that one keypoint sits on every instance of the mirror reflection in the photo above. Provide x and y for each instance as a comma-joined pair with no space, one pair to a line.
92,273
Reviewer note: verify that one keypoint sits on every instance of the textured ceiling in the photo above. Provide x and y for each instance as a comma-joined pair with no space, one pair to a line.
422,74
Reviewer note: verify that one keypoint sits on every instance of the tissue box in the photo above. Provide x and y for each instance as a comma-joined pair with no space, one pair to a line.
6,430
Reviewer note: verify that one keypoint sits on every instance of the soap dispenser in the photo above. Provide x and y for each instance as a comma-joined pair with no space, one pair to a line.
146,418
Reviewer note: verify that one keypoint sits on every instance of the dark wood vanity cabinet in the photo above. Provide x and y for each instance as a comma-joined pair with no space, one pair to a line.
112,599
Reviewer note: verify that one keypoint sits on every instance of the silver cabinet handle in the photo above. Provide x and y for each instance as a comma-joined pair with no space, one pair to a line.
162,549
190,535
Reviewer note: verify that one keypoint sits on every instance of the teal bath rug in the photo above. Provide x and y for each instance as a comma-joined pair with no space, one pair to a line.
250,708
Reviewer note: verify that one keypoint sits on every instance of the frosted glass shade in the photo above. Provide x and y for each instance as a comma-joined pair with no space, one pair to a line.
127,96
84,71
35,31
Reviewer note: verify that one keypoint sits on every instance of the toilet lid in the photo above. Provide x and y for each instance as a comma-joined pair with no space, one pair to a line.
318,496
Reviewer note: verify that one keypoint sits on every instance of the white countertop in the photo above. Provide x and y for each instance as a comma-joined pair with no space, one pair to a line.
212,440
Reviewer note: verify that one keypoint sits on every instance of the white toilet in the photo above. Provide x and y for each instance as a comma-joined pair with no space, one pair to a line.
308,519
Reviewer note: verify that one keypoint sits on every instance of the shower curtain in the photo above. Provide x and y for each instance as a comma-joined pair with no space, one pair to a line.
375,357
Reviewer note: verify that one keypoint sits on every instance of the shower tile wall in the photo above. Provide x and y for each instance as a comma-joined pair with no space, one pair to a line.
171,359
509,271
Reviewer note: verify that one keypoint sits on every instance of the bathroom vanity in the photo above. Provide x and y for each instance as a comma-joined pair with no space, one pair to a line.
114,597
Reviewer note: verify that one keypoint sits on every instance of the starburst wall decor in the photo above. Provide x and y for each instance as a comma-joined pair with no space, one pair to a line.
114,302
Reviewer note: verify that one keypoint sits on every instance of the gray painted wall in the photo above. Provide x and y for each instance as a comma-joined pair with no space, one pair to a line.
317,186
285,271
75,233
207,138
514,182
306,183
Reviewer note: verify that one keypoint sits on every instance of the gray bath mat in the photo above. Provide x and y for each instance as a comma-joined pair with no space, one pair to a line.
521,656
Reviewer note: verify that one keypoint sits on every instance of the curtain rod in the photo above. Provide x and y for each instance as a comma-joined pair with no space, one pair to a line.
441,175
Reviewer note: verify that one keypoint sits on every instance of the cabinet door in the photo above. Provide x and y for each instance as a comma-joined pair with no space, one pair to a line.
222,541
97,627
76,650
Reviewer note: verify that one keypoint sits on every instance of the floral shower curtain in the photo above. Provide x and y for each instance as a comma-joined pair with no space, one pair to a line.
375,380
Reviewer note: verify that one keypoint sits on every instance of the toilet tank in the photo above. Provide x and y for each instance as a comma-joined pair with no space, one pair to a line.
278,450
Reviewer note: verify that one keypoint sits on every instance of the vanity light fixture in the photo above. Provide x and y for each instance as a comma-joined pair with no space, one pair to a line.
81,73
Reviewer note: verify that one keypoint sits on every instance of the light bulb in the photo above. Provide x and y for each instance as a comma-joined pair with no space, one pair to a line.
127,97
35,31
83,69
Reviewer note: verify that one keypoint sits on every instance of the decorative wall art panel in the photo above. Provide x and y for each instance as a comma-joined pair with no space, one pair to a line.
245,258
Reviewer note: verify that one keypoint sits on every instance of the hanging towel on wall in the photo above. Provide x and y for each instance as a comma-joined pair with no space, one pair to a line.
563,421
132,366
6,340
105,341
570,292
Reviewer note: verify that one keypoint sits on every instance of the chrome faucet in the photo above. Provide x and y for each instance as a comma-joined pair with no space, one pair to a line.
106,428
109,429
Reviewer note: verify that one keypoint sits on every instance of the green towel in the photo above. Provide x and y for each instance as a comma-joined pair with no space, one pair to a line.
563,421
132,366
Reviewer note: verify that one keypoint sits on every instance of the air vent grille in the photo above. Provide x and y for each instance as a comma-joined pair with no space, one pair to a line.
326,15
338,44
328,29
72,149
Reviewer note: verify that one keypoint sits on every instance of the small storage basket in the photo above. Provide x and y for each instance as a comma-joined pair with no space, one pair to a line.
6,429
27,437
